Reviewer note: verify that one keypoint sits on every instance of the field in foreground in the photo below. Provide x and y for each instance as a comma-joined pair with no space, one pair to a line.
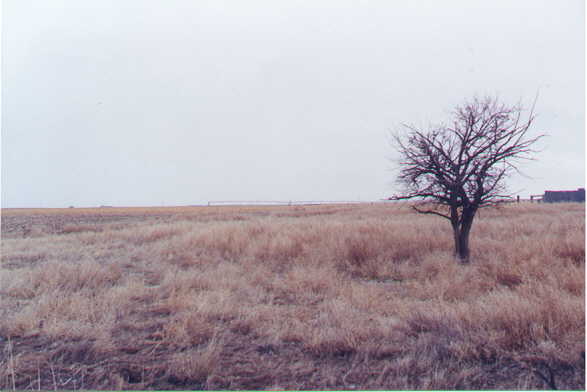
313,297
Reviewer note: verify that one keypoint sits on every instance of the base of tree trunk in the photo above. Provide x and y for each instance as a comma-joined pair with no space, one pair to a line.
464,260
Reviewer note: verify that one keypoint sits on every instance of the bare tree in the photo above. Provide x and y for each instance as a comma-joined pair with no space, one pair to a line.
456,170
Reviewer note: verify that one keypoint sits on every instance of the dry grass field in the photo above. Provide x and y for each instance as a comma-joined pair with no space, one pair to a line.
291,297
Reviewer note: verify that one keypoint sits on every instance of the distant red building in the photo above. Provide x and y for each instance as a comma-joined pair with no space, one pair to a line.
562,196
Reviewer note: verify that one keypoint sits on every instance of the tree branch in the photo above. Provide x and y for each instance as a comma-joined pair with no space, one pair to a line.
431,212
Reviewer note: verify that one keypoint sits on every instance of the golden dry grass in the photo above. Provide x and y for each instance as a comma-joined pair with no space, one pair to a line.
313,297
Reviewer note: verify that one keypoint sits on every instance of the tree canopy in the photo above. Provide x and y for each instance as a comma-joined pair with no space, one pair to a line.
463,166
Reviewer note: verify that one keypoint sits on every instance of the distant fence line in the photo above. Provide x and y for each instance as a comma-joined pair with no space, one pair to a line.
548,197
287,203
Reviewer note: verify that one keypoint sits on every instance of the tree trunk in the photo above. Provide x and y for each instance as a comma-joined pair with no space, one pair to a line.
463,247
461,237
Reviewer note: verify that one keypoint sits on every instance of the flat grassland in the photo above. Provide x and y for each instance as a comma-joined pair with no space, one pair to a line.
291,297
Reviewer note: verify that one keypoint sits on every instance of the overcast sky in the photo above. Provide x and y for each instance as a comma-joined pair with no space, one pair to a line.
110,102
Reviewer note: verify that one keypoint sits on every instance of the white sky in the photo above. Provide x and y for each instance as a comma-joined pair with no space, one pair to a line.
181,102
